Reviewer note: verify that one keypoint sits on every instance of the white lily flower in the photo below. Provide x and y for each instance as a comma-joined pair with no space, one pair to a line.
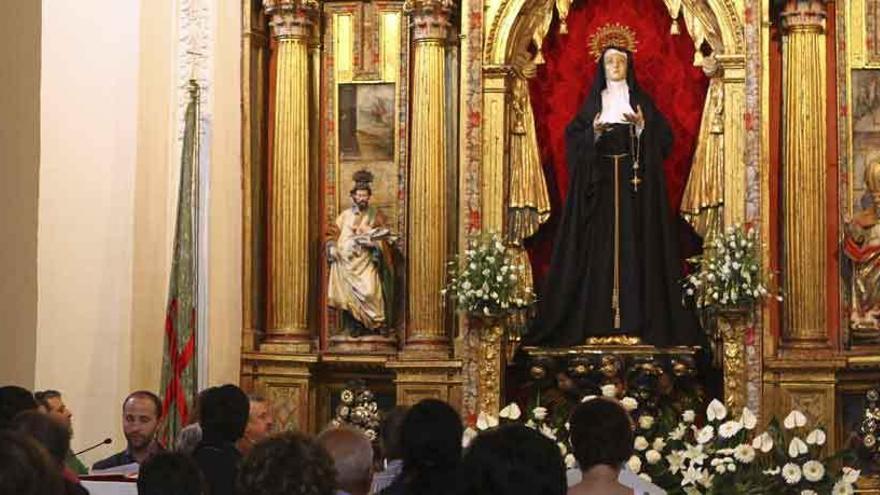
796,448
763,442
748,419
795,419
675,459
486,421
511,412
850,475
816,437
716,411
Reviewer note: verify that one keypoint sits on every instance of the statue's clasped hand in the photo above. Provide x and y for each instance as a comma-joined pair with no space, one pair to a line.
599,127
637,118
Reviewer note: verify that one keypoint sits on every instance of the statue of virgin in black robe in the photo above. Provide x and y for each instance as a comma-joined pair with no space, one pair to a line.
576,302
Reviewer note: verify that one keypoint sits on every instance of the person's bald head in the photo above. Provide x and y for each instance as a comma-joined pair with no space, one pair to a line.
352,456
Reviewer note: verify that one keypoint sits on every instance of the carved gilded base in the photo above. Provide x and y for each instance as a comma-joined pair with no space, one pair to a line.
370,344
427,379
491,369
286,346
286,381
808,385
731,333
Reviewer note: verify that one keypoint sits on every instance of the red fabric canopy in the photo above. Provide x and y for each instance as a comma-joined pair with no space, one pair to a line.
664,69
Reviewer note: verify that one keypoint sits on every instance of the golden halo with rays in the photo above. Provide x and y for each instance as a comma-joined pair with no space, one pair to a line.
612,34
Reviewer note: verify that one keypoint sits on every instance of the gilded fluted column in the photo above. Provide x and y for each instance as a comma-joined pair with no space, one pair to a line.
428,202
292,23
804,161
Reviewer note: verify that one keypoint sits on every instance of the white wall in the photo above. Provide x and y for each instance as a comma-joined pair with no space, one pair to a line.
89,95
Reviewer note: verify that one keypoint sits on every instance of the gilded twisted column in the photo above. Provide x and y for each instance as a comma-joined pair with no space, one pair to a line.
292,23
804,161
428,202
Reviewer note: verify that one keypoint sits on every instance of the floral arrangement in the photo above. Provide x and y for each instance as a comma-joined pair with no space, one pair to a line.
485,281
715,455
728,272
358,409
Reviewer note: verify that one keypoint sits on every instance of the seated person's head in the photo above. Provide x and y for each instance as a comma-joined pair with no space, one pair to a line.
51,403
50,433
513,460
431,435
259,424
223,413
286,464
26,468
352,455
170,473
141,412
601,433
14,400
390,433
188,439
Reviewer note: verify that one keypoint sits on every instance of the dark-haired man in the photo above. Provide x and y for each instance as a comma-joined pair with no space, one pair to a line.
223,415
141,411
52,404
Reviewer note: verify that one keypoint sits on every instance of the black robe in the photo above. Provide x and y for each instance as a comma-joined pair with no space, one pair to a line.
575,303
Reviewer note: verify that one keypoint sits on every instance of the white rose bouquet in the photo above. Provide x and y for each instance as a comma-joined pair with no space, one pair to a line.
485,281
728,272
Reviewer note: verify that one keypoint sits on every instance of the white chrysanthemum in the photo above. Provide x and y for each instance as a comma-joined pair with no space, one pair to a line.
748,419
813,471
721,468
795,419
842,488
652,456
816,437
716,411
675,459
791,472
609,390
629,404
744,453
634,464
511,412
796,447
729,429
763,442
658,444
706,434
646,421
640,443
688,416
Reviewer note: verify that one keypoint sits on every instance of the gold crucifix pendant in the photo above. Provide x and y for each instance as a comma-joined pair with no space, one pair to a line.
635,181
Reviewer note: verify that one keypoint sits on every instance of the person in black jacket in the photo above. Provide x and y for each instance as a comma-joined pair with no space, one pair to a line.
223,417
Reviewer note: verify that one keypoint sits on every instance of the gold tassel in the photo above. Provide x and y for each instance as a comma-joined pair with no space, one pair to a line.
674,29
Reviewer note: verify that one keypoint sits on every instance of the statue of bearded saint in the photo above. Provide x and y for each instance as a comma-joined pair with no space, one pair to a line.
862,246
616,268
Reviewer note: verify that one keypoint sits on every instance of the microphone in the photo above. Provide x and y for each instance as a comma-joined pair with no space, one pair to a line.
105,441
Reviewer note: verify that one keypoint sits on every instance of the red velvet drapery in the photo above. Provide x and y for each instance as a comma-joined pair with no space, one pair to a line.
664,69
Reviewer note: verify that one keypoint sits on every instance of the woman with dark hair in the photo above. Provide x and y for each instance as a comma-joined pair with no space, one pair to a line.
513,460
431,436
26,468
287,464
602,440
55,438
